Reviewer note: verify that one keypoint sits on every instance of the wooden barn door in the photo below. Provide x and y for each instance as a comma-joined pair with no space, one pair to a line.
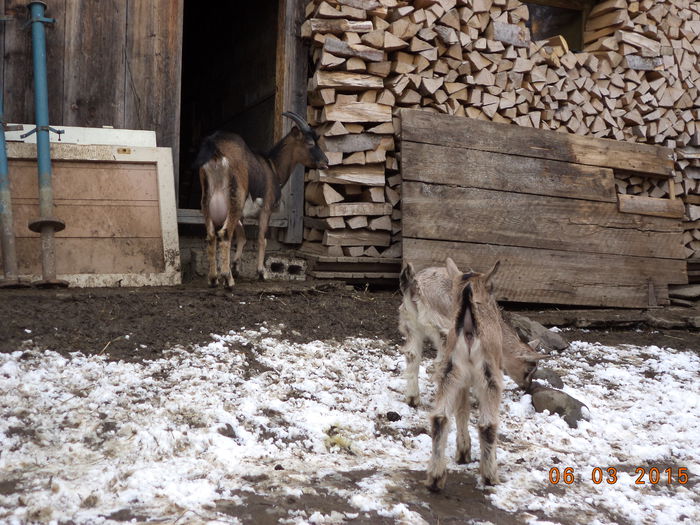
544,203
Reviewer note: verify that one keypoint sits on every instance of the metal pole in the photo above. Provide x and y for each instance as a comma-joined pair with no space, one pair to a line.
46,224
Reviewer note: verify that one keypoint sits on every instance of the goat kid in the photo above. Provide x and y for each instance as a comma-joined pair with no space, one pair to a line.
426,313
237,182
472,358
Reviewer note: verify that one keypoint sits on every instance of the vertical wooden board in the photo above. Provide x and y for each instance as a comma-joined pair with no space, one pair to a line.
17,71
153,69
292,54
95,70
3,31
550,276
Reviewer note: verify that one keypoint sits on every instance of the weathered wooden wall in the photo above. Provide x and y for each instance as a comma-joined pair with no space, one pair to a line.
109,64
118,204
545,204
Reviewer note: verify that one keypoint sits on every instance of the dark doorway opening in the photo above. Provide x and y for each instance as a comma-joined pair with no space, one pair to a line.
229,61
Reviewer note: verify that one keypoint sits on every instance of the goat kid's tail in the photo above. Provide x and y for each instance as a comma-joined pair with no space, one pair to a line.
407,279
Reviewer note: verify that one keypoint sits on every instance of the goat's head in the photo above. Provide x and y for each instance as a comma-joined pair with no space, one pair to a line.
519,359
306,150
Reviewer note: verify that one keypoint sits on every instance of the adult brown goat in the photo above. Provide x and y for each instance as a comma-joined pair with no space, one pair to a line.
236,183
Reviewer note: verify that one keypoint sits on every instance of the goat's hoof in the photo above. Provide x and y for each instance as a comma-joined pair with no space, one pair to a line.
261,275
463,457
436,484
413,401
491,480
212,282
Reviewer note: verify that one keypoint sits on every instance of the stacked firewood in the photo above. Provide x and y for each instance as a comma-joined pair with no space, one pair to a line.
637,79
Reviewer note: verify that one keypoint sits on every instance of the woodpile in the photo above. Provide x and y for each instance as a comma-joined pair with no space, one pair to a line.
637,79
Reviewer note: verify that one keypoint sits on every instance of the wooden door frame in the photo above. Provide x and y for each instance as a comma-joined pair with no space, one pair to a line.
292,53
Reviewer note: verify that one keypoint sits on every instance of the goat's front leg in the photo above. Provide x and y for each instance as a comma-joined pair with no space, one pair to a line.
211,253
263,222
488,388
240,243
447,389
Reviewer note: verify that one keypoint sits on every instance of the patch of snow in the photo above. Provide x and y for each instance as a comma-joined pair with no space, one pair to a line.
82,437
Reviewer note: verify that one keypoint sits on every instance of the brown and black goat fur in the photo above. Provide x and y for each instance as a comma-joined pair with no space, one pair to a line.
237,182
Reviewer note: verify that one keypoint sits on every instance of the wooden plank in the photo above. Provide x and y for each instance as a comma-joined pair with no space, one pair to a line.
353,275
83,220
497,171
550,276
94,256
153,63
95,74
291,73
356,238
129,182
447,130
534,221
350,208
345,81
370,175
672,208
357,112
18,77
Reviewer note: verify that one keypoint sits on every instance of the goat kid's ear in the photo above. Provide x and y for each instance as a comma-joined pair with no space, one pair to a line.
490,275
452,269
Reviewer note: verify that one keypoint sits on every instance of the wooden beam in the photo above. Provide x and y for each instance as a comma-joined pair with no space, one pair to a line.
641,205
551,276
514,219
498,171
433,128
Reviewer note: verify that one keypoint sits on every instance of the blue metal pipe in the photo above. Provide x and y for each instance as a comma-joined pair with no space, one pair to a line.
9,256
46,224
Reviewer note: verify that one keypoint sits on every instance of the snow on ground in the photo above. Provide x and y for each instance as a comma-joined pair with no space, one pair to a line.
250,414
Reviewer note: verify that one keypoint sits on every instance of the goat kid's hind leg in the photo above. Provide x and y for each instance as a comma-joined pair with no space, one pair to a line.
211,253
464,441
412,352
447,390
488,389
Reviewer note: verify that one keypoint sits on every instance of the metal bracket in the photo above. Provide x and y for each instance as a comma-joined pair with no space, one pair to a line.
58,132
41,19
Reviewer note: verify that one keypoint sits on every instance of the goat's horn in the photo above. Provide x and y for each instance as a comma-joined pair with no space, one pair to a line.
303,126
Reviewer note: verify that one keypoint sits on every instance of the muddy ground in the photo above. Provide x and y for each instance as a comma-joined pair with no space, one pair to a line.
134,324
138,324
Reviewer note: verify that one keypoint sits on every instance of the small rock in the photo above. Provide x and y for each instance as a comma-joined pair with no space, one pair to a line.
279,467
550,376
393,416
558,402
529,330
